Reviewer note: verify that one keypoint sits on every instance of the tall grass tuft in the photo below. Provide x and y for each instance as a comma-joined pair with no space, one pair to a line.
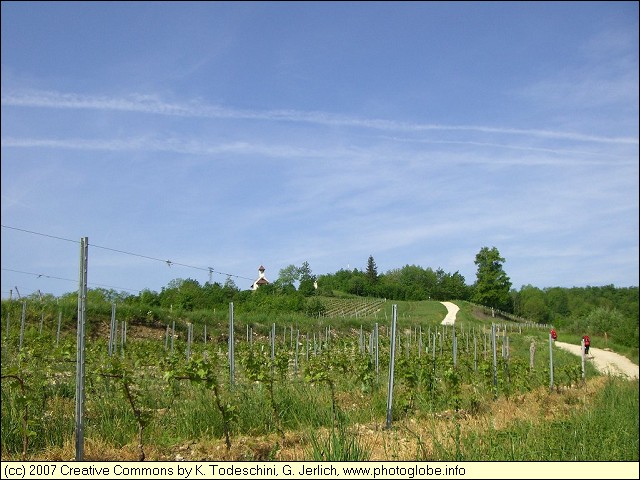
338,446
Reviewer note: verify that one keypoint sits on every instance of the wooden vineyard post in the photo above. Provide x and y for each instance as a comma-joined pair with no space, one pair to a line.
532,353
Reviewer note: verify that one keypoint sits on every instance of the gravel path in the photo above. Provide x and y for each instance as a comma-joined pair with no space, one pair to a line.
452,311
605,361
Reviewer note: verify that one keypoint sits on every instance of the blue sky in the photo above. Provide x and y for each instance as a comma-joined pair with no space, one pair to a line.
229,135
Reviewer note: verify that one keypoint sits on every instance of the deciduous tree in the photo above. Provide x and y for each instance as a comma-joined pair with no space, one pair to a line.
492,283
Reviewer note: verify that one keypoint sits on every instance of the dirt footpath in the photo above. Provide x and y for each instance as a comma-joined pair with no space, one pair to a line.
452,312
605,361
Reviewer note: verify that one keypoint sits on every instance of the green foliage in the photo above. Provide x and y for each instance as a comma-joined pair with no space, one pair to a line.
372,270
605,430
590,310
260,366
292,275
288,276
204,371
315,307
126,395
410,282
532,305
492,283
338,446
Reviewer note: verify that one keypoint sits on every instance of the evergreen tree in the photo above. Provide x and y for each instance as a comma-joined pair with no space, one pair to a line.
372,270
304,272
307,280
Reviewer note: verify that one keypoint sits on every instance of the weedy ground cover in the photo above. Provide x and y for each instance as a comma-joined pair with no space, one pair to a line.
315,390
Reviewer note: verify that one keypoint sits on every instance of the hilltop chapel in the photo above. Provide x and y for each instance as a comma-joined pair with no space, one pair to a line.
261,280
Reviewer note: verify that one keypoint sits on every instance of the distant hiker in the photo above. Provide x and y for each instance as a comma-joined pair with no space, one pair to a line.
554,335
587,344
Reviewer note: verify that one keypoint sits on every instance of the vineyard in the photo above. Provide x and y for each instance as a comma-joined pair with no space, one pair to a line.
246,389
350,307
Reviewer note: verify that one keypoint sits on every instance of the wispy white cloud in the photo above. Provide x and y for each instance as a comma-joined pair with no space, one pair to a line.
373,154
165,145
154,105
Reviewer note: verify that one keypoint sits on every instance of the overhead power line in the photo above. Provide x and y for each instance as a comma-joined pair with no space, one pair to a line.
67,279
167,262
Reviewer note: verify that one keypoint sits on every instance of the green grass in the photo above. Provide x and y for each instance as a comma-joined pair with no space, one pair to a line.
607,430
339,445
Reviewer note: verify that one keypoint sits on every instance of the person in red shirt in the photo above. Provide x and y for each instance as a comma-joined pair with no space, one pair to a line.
554,335
587,344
